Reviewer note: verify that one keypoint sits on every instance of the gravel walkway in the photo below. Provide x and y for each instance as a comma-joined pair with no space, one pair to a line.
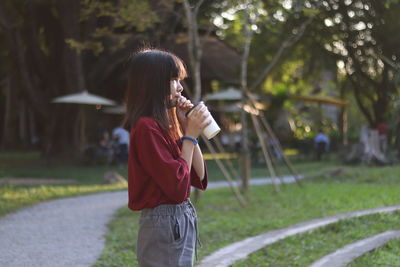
65,232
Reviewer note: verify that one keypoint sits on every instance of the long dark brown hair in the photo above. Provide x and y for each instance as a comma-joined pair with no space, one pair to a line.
148,92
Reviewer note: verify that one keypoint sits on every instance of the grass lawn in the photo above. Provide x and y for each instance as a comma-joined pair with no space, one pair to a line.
88,178
222,221
30,165
388,255
304,249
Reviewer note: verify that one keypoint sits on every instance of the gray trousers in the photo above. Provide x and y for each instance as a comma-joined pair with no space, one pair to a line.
167,236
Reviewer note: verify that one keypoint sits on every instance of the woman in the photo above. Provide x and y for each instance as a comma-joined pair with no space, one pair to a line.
164,158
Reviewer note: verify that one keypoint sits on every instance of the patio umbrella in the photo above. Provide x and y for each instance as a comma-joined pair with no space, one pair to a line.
119,110
237,107
83,98
229,94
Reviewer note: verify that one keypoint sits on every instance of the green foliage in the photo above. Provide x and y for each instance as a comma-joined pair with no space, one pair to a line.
125,18
352,33
127,15
355,33
95,47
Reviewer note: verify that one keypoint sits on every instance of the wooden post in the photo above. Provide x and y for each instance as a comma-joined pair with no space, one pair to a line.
244,155
228,177
271,133
265,152
82,141
286,160
228,161
273,160
345,126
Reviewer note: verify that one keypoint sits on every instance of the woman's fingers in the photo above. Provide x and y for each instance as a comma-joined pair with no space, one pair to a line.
198,119
199,109
180,102
188,104
201,115
205,123
184,103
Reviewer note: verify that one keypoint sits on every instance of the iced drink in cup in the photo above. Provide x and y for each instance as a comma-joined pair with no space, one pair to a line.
212,129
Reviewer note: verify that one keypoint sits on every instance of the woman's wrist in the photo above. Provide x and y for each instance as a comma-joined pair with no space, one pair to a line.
191,134
189,138
183,125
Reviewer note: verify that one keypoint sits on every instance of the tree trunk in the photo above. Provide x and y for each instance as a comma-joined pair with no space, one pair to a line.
397,137
10,127
69,15
368,150
245,153
194,46
23,123
343,120
61,135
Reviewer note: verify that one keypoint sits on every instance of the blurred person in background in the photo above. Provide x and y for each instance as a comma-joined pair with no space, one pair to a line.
120,148
321,144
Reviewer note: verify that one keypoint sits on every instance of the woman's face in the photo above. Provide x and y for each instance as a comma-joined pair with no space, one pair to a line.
176,90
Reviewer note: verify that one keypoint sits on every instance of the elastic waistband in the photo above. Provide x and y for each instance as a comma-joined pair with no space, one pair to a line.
169,209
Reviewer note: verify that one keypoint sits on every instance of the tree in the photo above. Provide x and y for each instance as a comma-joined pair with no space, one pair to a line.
195,49
37,78
52,46
356,34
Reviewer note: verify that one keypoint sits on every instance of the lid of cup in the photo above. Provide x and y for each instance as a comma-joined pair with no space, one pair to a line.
195,105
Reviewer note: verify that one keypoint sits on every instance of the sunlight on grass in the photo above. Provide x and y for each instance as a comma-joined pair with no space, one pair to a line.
330,188
304,249
388,255
208,156
15,197
222,221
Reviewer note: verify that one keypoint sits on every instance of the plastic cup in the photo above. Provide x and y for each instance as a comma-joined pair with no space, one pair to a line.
212,129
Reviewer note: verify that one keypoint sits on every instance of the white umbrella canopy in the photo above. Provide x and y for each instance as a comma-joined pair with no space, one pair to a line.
119,110
84,98
229,94
234,94
237,107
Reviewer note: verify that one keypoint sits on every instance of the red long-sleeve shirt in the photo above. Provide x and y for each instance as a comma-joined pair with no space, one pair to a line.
156,172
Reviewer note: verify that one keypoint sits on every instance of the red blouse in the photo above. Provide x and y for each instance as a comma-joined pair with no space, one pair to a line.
156,172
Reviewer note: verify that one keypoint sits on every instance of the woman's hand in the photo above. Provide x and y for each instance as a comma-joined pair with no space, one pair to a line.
182,106
198,119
